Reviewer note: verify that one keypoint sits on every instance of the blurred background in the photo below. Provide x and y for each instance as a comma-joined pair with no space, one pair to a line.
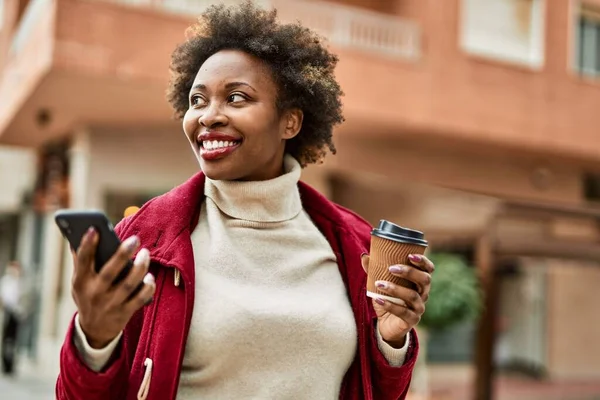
477,121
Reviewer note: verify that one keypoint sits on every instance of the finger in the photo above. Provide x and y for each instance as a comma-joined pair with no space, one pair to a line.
411,298
420,278
117,262
405,314
75,280
144,297
422,262
124,289
84,258
364,260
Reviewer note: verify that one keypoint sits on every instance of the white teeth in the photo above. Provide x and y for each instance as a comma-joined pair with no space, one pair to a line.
216,144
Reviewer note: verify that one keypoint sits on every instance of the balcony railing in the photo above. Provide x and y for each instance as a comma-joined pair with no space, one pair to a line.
344,26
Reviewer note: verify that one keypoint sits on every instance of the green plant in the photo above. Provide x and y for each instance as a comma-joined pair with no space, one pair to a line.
455,295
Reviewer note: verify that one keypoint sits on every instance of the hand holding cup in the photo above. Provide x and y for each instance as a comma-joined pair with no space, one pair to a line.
399,279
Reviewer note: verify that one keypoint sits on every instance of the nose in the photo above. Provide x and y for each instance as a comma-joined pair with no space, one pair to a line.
213,116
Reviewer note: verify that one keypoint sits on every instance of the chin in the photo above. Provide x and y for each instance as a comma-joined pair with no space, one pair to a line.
218,171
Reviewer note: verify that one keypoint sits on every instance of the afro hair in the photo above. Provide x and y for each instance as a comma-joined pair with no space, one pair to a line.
301,65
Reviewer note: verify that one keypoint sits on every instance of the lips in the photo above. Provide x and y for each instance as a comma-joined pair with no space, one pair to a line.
217,145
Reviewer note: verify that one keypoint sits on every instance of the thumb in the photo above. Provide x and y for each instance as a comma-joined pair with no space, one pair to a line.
364,260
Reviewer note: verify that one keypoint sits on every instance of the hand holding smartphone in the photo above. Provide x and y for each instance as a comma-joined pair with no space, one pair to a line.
74,224
108,288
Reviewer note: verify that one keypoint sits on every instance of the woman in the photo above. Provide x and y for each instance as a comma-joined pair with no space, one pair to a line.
256,279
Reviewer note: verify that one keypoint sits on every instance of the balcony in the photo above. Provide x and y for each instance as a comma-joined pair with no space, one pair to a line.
344,27
29,59
404,74
66,69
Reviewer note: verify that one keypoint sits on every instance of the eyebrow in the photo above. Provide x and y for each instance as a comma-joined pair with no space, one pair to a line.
228,86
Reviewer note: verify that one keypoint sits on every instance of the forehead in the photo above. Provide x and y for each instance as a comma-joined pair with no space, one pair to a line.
233,65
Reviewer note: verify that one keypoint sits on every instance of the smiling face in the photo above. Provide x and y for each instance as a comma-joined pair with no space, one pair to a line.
233,124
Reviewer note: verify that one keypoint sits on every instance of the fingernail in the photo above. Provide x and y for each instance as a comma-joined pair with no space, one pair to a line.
89,234
415,258
142,258
148,279
380,301
131,243
381,284
396,269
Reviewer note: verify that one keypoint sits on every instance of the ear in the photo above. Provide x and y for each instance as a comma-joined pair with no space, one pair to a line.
293,123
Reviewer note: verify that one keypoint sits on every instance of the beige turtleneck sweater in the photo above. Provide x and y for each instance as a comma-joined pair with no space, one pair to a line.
271,317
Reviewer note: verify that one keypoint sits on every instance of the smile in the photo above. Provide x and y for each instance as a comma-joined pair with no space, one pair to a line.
218,144
214,145
212,150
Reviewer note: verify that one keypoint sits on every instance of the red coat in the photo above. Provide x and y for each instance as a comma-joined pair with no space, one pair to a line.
159,330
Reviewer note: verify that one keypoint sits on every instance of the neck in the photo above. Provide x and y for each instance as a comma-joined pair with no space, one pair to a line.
270,200
274,168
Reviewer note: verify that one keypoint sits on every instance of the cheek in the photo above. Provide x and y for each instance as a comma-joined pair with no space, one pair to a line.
190,125
264,142
266,129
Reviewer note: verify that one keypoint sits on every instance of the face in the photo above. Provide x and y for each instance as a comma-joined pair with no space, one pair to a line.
233,124
13,269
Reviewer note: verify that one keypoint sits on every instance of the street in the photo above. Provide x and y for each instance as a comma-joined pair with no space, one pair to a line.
26,388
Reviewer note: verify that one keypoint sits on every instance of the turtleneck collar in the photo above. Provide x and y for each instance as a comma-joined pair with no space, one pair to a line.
273,200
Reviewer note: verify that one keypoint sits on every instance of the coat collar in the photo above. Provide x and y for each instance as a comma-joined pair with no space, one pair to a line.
167,220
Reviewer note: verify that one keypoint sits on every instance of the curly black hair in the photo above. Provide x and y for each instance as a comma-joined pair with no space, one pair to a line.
301,65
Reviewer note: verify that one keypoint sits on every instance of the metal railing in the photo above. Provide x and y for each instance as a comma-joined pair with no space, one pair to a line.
343,26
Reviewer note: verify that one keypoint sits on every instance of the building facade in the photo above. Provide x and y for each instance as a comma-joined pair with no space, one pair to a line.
474,120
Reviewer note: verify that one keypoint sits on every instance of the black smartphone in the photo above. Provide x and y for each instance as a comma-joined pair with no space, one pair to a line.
73,224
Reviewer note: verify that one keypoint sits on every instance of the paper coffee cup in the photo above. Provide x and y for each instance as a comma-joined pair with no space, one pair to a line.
391,244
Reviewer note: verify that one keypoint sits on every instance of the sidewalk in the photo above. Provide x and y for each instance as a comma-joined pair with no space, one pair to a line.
514,388
25,388
456,382
27,384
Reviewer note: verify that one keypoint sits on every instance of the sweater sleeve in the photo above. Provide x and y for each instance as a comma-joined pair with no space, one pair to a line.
77,381
389,381
94,359
395,357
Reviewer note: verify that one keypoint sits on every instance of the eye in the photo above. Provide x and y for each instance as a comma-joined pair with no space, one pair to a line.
197,101
236,98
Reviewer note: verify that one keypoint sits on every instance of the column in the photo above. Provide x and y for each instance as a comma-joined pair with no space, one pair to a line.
79,189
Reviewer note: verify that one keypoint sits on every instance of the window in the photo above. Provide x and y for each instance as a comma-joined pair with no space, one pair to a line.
115,202
591,188
507,30
588,46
